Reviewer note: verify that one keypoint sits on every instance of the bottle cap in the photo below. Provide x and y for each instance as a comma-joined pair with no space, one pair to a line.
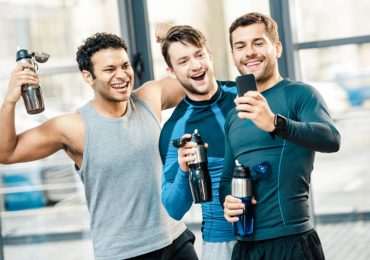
241,171
23,54
195,137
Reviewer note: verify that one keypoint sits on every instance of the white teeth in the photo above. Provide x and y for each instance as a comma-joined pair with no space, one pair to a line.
119,85
198,75
252,63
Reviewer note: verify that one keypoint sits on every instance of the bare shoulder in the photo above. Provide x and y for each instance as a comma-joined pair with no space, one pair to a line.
151,93
69,124
162,94
69,128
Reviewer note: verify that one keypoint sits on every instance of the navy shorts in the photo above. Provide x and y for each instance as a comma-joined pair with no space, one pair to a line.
181,248
300,246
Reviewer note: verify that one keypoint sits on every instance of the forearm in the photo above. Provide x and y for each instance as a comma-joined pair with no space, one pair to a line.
176,195
227,173
8,137
321,137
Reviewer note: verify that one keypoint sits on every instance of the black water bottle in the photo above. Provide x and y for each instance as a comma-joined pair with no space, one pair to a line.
199,177
242,188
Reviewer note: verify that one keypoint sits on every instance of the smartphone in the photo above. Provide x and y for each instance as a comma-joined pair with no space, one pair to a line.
245,83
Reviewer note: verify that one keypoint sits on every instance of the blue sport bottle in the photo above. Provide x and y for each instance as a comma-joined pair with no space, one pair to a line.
242,188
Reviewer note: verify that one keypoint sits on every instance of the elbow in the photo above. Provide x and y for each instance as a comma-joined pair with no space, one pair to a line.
174,215
335,144
4,159
336,147
331,146
172,212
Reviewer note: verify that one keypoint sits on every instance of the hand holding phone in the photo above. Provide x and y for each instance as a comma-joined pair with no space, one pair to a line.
245,83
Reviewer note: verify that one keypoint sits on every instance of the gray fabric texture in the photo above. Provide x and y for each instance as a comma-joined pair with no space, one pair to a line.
121,172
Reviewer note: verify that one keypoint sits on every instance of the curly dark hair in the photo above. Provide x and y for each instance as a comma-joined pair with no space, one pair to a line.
184,34
252,18
93,44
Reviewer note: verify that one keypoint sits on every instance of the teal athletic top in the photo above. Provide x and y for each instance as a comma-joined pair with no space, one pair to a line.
209,118
282,195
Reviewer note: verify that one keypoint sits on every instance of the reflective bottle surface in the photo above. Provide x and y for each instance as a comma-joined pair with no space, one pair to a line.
199,177
31,93
241,187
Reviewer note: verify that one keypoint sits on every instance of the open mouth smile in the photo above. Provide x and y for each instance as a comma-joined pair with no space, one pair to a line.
119,85
199,76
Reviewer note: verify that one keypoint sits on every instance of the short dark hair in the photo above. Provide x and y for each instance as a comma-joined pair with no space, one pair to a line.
95,43
184,34
252,18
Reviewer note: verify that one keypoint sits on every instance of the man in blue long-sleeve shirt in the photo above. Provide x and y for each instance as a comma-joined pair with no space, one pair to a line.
283,124
204,108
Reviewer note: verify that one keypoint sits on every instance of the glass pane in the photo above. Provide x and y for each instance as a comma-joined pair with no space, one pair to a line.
340,180
43,207
56,27
350,70
315,20
203,15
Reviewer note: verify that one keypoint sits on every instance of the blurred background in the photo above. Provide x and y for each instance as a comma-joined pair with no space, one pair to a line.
326,43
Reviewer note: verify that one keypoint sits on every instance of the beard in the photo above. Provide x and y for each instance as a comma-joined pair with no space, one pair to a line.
190,88
263,75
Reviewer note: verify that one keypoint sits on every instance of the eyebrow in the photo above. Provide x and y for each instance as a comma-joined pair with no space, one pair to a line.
254,40
108,66
113,66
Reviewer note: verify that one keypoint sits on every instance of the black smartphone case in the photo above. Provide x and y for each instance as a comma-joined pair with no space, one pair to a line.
245,83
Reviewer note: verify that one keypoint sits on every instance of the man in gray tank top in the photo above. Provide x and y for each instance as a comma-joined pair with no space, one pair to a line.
113,140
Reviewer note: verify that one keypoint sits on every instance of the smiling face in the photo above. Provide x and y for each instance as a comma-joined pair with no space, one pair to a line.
113,75
254,52
193,67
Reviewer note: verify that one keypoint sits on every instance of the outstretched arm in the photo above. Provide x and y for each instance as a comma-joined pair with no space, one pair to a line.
312,126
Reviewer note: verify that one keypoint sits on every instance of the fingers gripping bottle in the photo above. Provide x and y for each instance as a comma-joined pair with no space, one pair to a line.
241,187
31,93
199,178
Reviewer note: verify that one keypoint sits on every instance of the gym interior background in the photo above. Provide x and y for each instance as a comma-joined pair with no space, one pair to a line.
43,212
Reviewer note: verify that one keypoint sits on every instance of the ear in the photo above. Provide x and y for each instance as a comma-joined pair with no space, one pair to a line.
88,78
279,49
171,73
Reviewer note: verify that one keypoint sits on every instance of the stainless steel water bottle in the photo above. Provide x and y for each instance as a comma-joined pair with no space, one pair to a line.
31,93
199,177
242,188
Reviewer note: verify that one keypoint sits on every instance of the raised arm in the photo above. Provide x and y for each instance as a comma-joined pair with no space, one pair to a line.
161,94
161,31
33,144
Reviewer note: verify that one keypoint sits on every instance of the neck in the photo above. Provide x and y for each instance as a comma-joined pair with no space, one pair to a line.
206,96
262,86
110,109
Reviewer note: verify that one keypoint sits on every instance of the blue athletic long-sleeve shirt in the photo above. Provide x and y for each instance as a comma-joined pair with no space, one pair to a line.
282,196
209,118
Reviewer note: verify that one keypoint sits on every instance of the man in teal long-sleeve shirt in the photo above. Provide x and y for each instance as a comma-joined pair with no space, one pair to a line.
283,123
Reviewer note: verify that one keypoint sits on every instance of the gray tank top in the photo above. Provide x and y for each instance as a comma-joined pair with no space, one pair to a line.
121,172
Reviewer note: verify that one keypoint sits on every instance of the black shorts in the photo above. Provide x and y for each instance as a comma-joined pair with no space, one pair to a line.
304,246
182,248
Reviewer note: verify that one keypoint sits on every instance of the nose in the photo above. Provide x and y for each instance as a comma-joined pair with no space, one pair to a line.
250,51
121,73
195,64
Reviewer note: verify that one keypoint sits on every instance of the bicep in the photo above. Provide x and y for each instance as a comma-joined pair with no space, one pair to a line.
37,143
